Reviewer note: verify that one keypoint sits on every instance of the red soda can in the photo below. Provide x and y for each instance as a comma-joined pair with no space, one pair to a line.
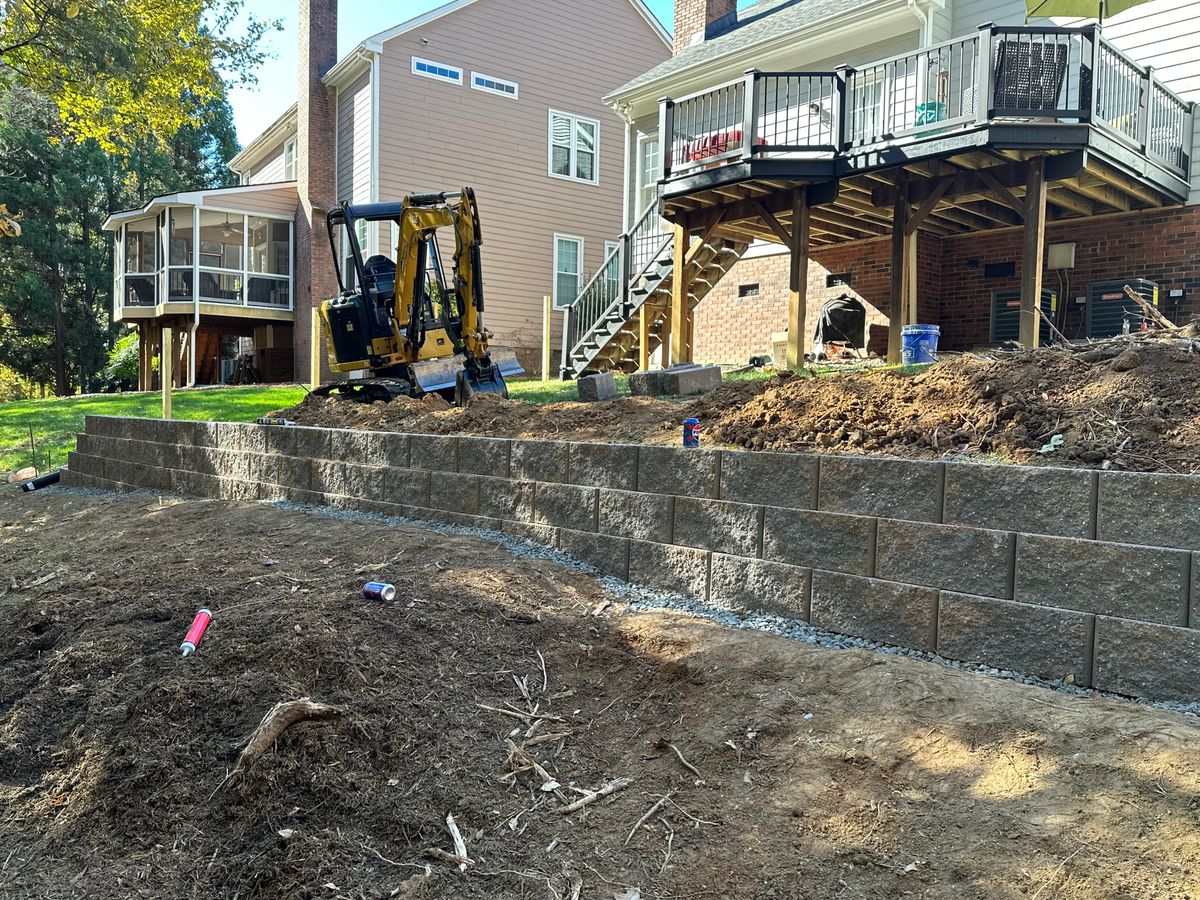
192,640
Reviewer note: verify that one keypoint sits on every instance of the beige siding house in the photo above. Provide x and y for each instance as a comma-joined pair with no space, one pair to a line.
504,96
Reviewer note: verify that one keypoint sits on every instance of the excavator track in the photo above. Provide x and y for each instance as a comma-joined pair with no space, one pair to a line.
367,390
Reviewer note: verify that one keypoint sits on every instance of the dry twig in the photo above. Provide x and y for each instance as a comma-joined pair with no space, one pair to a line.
281,717
460,846
646,818
687,765
612,787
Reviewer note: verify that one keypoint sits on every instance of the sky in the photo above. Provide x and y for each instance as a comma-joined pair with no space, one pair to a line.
256,108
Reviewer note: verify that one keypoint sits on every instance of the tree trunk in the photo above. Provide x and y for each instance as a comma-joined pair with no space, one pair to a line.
62,386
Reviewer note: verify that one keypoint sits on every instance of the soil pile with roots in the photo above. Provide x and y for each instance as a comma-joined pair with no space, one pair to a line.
1137,410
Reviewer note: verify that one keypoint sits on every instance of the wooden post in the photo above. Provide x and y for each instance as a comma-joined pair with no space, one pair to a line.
547,312
1032,249
681,350
143,332
910,278
314,351
643,338
899,259
798,286
166,369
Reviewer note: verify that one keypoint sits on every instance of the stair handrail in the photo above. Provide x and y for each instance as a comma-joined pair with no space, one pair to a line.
628,248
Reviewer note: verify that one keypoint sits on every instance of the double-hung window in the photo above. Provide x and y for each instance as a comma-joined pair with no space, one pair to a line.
648,172
574,147
568,267
289,160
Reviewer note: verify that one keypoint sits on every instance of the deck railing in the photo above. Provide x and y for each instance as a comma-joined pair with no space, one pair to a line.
1036,75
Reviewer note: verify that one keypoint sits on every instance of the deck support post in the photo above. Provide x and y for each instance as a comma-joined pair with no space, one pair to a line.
1032,250
910,278
643,338
798,295
166,369
681,332
900,262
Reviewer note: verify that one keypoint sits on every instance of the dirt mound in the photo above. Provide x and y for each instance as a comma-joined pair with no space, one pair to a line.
809,773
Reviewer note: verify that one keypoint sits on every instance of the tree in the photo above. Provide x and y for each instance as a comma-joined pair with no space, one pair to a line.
125,73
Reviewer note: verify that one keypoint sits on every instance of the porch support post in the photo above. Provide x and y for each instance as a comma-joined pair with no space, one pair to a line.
681,338
900,248
643,339
176,344
798,296
1032,250
166,369
143,350
910,278
314,350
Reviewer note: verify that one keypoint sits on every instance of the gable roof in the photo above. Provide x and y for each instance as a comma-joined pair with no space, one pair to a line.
756,24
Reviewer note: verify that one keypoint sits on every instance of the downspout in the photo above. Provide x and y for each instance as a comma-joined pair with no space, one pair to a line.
926,22
195,295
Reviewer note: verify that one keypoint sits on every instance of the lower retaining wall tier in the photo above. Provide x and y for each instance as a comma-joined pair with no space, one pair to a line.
1080,575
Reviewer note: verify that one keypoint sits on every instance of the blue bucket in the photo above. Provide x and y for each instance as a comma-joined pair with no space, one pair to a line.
918,344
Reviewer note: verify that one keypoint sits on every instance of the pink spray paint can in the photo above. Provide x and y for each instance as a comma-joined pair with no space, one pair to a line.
192,640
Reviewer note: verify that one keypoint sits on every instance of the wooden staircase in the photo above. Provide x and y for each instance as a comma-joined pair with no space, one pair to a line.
602,326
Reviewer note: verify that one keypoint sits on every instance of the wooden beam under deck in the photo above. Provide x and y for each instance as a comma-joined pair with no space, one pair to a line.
1033,247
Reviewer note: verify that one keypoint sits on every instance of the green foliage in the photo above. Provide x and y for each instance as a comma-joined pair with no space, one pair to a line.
122,369
56,421
127,73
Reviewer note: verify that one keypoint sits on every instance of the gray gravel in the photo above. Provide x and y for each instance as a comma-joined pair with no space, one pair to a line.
637,598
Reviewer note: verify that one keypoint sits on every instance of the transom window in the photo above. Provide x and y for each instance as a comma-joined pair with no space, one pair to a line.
568,267
573,147
438,71
492,85
289,160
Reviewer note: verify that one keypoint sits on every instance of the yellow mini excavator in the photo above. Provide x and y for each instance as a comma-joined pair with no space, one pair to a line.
402,322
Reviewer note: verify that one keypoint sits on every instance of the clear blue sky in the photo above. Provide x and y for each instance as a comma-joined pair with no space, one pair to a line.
254,109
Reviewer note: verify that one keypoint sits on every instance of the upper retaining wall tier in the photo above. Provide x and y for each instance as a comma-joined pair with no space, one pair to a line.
1053,572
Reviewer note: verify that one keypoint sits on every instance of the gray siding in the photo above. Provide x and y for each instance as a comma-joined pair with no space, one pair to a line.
437,136
354,141
269,169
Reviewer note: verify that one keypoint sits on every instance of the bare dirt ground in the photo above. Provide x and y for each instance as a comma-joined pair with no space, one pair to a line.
1138,411
810,773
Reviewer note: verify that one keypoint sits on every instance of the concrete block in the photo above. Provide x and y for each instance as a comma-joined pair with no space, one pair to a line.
237,489
717,525
195,484
206,460
507,500
1021,498
147,453
772,588
369,448
484,456
83,464
565,506
170,455
818,540
459,494
593,388
436,452
1144,508
293,472
893,488
686,472
406,487
966,560
97,425
663,567
647,384
884,611
194,434
347,479
539,461
90,444
606,554
1035,640
138,475
128,428
604,465
688,380
544,535
305,498
644,517
772,479
1144,660
71,479
1143,583
244,438
301,441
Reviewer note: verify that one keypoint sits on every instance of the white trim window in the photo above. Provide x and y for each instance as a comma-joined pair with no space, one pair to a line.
649,171
427,68
568,269
493,85
289,160
612,272
574,151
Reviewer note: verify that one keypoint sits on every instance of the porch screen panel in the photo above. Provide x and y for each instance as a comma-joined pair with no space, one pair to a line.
270,269
141,260
180,254
220,253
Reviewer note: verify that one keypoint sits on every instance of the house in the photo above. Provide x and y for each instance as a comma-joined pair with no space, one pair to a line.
935,161
501,95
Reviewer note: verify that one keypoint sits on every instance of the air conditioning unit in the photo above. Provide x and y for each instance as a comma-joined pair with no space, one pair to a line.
1109,306
1006,316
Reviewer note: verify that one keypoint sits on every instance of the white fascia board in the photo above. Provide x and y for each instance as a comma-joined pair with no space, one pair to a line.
195,198
376,41
822,39
652,20
251,153
349,66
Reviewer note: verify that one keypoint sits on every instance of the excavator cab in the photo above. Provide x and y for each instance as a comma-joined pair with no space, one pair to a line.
406,322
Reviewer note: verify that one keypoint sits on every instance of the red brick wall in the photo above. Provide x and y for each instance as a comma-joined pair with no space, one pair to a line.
694,16
315,279
952,290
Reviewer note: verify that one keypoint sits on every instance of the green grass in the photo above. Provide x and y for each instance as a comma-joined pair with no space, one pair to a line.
56,421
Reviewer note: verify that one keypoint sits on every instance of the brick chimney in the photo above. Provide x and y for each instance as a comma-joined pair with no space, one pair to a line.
314,276
696,20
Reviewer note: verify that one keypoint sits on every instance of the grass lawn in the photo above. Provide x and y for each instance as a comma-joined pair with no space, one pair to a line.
56,421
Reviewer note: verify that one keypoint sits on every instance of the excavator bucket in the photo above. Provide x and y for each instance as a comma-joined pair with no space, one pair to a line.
485,376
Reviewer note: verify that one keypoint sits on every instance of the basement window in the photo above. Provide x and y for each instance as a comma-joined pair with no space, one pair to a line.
747,290
492,85
437,71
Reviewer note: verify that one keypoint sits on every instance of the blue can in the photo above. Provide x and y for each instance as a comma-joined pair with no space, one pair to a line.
379,590
691,432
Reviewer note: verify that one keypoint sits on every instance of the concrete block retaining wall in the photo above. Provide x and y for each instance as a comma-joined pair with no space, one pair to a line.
1053,572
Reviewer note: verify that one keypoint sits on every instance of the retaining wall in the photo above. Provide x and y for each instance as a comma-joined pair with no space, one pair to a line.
1059,573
